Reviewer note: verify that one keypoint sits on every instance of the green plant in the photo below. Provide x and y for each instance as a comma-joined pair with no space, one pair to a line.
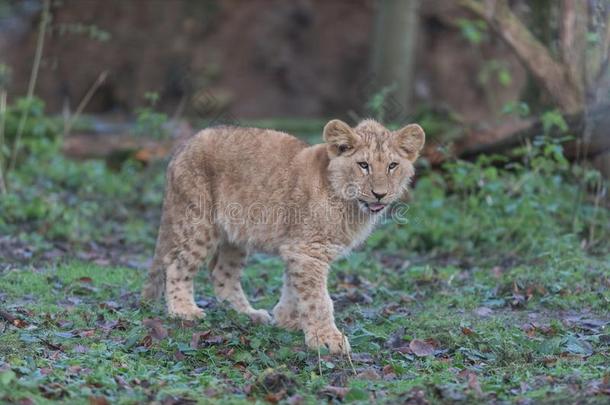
475,31
495,69
378,103
515,203
42,30
92,31
150,122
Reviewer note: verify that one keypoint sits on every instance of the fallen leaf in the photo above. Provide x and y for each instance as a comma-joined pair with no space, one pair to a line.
467,331
296,399
421,348
473,383
579,346
20,323
387,369
156,329
369,374
334,392
146,341
518,301
276,384
197,336
99,400
179,356
601,386
177,400
111,305
86,333
417,396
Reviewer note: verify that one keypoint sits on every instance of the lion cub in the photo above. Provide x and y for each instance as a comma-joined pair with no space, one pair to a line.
233,190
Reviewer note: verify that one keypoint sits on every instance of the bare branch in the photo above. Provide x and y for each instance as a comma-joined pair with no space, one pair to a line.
552,75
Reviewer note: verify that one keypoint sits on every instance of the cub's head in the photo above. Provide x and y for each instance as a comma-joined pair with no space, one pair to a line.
370,163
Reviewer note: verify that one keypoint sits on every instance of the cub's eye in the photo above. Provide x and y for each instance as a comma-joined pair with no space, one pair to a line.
364,165
392,165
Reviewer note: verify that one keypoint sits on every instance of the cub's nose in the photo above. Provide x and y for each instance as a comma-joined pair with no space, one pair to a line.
379,196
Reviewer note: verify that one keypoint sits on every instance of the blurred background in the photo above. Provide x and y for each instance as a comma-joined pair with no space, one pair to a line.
94,95
478,73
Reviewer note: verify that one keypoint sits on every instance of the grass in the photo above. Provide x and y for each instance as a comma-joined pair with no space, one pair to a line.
85,337
490,289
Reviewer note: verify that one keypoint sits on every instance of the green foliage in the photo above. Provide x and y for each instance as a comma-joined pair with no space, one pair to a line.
494,69
92,31
525,207
149,122
77,202
553,119
475,31
377,104
38,125
517,108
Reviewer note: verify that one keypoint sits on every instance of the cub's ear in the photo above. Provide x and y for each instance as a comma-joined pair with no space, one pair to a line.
410,141
339,137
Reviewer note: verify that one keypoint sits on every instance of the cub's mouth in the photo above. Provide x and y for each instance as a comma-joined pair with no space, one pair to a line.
372,207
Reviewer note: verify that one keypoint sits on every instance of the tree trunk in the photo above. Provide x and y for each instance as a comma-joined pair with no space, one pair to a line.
394,48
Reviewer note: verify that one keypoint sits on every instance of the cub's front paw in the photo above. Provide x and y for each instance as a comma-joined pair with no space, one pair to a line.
260,316
334,341
286,317
186,312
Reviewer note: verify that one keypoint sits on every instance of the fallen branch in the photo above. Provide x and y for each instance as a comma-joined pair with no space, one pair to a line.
103,146
122,143
502,138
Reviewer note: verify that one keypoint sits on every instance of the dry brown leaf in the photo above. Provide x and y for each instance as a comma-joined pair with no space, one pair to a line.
467,331
473,383
421,348
334,392
100,400
156,329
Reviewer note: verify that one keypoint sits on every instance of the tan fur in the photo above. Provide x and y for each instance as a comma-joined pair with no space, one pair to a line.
233,190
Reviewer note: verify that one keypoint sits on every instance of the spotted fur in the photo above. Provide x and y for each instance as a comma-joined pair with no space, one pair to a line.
232,190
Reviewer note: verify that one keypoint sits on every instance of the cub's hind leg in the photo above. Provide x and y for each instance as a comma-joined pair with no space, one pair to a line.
154,286
198,243
226,268
187,235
